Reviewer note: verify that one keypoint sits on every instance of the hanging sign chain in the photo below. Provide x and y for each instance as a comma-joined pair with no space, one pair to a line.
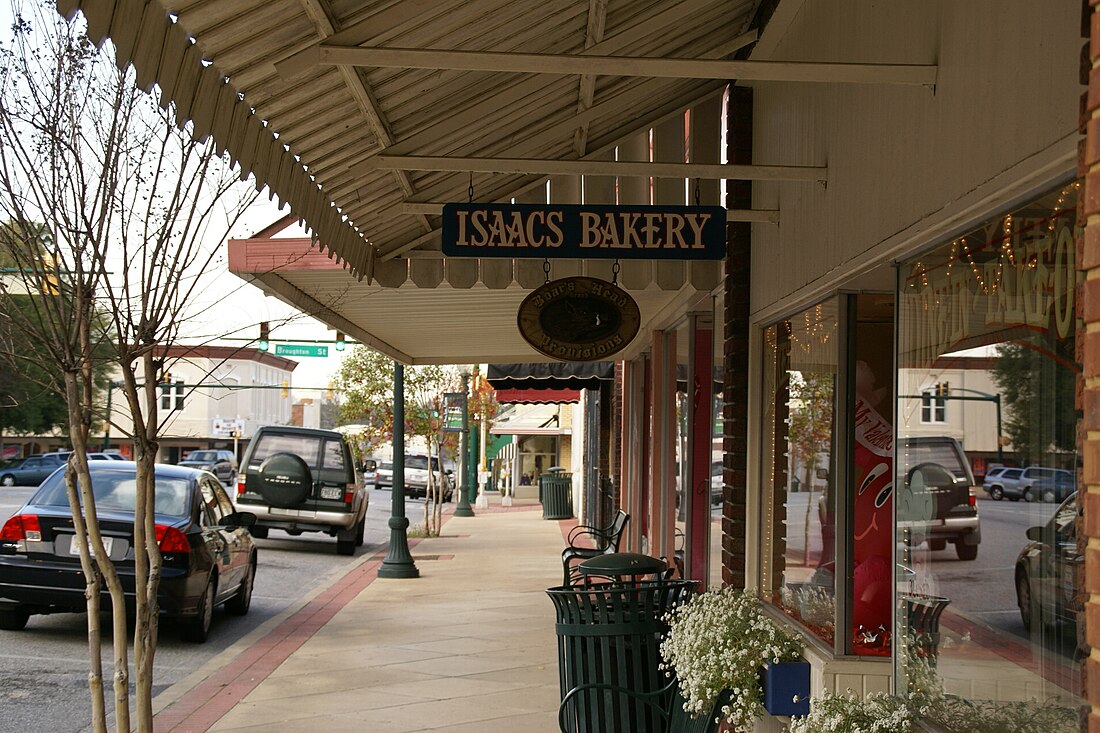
470,190
615,273
546,270
696,192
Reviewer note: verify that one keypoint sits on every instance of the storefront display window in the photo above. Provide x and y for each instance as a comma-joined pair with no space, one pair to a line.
799,506
989,560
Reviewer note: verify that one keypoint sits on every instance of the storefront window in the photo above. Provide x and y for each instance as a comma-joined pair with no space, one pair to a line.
798,563
988,553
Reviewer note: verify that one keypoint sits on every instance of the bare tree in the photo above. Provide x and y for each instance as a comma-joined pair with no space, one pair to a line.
365,380
114,210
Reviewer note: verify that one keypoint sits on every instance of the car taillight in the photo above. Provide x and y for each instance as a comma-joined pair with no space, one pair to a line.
240,486
171,539
349,493
22,527
972,500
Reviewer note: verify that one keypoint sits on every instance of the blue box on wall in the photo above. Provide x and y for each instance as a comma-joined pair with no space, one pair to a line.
783,683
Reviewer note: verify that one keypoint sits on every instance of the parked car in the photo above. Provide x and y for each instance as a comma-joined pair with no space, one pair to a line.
209,557
1033,483
416,476
221,463
303,480
33,470
936,502
1047,569
383,476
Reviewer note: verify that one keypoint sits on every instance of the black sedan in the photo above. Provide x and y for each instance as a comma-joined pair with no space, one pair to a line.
1047,568
209,557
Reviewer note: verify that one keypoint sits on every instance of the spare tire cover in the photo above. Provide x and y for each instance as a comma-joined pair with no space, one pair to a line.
285,480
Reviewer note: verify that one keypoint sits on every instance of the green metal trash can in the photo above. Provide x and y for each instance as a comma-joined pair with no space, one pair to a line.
609,637
556,494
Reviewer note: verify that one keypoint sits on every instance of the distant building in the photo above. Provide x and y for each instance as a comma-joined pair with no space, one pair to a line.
213,397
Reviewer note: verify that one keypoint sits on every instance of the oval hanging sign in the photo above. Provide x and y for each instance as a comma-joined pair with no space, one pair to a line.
578,319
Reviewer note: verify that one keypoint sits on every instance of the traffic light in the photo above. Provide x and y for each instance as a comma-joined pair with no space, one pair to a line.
49,283
265,337
340,341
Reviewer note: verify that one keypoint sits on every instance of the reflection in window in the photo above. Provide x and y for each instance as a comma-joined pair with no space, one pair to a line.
988,589
933,404
798,563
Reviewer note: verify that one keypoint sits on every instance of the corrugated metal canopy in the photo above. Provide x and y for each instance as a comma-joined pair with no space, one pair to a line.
365,149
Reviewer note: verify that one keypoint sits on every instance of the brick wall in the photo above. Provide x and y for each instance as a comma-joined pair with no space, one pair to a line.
736,343
1088,354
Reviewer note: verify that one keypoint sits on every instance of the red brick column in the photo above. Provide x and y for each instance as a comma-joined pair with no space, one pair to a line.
1088,353
735,410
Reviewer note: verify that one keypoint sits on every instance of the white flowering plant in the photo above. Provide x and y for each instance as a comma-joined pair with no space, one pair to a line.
876,713
719,641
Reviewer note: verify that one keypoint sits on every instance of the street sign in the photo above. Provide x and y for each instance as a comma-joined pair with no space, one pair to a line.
300,350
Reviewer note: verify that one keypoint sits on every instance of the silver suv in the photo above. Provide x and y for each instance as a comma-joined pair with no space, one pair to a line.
1034,483
303,480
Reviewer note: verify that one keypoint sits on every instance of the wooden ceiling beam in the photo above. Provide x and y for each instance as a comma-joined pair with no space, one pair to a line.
323,19
536,166
640,66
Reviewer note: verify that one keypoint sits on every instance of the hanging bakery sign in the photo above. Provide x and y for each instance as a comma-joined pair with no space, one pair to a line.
584,231
579,319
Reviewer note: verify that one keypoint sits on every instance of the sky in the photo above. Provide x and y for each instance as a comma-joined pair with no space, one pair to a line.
228,305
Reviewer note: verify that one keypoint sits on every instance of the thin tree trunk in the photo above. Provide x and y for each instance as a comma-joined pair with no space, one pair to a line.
147,557
78,461
91,596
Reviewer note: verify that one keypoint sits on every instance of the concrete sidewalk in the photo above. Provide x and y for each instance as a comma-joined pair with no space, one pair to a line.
467,646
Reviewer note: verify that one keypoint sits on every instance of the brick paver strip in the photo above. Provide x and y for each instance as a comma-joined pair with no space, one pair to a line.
205,704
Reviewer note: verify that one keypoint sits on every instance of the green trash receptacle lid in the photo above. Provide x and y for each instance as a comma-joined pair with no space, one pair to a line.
620,564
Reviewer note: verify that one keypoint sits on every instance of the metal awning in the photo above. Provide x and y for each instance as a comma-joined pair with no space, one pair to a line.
552,376
365,117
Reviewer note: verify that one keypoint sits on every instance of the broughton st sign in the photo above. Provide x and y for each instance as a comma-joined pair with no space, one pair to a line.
584,231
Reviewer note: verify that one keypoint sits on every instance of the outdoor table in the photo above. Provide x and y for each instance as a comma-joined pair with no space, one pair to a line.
621,568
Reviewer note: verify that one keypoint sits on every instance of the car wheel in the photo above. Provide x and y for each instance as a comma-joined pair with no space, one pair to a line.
360,532
285,480
965,551
259,533
997,493
1048,496
1024,601
7,480
13,619
197,629
937,545
1028,496
345,547
238,605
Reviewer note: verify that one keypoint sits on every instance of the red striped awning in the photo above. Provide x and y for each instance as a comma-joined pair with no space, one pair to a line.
516,396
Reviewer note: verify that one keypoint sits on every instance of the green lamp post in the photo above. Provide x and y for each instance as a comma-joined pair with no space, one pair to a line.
398,562
463,509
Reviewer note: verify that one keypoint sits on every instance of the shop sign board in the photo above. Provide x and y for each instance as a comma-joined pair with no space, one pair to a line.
578,319
576,231
225,428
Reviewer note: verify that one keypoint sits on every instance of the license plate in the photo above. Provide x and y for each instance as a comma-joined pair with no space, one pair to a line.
332,492
74,546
